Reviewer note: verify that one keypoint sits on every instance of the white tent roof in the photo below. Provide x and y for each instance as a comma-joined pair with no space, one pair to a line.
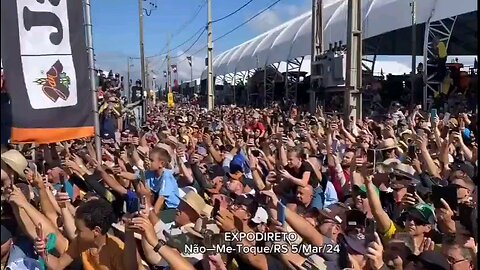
293,38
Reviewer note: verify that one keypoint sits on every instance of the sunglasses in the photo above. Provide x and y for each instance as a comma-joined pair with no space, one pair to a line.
362,195
417,221
237,207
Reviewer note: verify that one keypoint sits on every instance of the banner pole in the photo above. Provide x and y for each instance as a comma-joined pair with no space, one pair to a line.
91,67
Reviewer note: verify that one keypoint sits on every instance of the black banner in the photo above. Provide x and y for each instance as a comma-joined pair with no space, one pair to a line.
46,70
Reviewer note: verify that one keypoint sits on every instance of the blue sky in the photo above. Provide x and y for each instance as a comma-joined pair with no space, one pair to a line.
115,28
116,31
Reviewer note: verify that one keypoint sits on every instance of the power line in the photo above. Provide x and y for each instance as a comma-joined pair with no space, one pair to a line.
240,25
191,18
177,32
233,13
190,38
182,28
176,47
193,44
247,21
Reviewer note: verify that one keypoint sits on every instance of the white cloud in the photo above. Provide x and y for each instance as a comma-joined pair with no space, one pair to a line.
265,21
278,14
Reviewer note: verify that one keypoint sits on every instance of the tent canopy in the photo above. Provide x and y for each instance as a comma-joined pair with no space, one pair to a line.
385,22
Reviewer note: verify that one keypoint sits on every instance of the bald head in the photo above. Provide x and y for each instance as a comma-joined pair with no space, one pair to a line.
305,194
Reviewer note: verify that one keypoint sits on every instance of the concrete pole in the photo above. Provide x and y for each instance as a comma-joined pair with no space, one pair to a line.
169,75
413,4
147,84
93,74
353,94
142,60
210,82
316,50
129,94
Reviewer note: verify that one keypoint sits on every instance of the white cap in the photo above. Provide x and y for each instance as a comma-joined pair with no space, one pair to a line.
261,216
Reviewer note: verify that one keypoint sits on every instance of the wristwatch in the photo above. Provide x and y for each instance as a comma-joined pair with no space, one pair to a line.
160,244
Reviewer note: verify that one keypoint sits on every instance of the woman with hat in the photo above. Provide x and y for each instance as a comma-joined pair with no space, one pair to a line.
14,164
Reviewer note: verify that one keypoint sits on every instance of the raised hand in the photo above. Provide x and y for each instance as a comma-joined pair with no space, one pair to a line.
225,220
16,196
40,245
375,253
143,226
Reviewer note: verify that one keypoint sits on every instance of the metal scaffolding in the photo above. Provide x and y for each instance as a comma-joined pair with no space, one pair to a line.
441,30
269,83
292,78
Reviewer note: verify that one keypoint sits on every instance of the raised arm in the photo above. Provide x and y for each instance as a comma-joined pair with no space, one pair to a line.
173,258
383,220
297,222
422,143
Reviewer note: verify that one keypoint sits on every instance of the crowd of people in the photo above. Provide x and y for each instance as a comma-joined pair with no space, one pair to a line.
244,188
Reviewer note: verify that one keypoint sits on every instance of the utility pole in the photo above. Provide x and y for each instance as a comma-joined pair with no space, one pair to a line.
317,49
142,60
210,82
169,74
129,94
147,84
413,5
93,74
353,82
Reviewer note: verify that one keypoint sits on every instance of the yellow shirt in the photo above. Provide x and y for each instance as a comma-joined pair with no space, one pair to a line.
109,258
442,50
390,233
394,228
447,82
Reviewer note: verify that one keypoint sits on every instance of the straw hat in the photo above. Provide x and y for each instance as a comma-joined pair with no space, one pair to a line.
16,161
197,203
398,166
387,144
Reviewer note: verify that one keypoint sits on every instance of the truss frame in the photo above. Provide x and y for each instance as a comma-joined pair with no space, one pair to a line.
442,30
269,83
291,81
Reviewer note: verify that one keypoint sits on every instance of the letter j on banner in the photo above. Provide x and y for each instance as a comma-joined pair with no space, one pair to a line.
46,67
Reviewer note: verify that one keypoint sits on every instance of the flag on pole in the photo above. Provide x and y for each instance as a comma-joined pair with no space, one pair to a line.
189,59
45,60
174,68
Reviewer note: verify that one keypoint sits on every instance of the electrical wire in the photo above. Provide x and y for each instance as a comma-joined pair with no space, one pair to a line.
233,13
191,19
176,47
193,44
182,28
238,26
247,21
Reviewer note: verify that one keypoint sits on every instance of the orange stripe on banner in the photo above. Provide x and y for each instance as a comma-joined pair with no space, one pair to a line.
50,135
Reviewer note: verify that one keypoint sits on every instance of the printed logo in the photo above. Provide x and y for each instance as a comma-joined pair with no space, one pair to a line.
57,83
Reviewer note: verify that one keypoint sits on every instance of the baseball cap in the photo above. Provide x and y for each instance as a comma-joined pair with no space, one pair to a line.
335,212
248,201
465,167
356,242
363,189
355,218
423,212
463,182
261,216
236,171
431,260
